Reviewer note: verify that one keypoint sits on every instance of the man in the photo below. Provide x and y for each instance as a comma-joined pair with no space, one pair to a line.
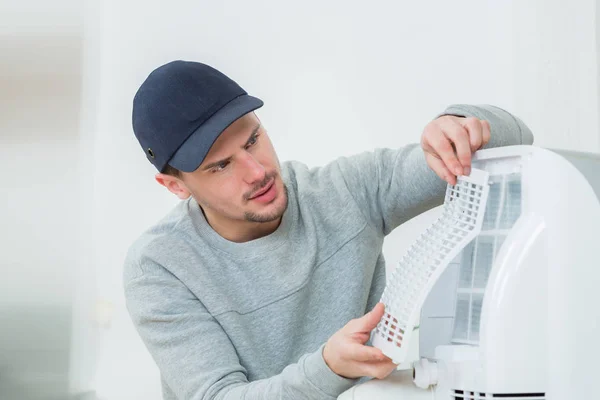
256,285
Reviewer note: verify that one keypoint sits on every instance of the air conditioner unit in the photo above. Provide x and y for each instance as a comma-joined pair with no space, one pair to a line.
513,266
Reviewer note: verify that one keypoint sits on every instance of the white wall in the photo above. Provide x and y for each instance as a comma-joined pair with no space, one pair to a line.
40,80
556,71
337,78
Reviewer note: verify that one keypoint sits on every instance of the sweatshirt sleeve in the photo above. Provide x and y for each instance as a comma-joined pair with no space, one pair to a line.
195,356
392,186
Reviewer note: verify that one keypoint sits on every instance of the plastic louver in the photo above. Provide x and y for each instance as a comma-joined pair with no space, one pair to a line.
466,395
424,262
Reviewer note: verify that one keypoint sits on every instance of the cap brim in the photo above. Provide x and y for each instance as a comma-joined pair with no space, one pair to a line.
193,151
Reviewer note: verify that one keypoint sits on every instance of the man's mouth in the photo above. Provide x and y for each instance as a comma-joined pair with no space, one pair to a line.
263,190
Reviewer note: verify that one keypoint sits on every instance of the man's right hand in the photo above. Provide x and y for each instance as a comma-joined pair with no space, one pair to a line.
346,354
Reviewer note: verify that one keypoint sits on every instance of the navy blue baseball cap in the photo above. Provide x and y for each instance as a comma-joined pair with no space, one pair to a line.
181,109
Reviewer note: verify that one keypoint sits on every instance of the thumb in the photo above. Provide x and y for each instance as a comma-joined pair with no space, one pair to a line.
369,321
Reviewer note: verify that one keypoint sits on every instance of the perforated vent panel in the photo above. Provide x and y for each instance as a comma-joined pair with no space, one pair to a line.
413,278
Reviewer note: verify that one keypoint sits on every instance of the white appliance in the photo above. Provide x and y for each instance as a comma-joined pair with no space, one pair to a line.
502,292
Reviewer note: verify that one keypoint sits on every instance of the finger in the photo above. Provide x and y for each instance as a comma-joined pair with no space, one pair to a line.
460,139
369,321
379,370
474,127
486,134
360,337
359,352
438,166
438,144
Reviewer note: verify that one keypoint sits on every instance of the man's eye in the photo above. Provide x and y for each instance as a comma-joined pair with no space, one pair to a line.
252,141
220,166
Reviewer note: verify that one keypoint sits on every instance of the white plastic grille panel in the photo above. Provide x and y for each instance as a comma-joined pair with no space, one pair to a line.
416,273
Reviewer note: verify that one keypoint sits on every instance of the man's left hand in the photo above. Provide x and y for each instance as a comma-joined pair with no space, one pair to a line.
449,142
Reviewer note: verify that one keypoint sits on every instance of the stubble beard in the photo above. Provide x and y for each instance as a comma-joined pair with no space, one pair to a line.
271,216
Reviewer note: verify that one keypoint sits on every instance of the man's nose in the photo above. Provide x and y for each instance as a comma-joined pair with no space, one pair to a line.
253,170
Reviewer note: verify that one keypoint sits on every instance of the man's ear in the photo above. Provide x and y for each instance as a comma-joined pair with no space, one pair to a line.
174,185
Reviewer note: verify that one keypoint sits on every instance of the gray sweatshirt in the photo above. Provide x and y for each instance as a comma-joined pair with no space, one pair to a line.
226,320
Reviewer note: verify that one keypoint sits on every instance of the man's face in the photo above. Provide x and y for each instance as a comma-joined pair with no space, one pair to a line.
239,180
